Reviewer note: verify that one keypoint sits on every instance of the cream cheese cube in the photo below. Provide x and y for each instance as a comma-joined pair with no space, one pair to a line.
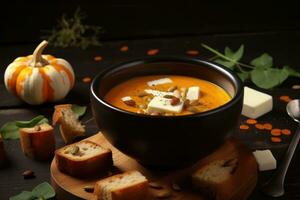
160,104
256,103
265,160
158,93
193,93
159,81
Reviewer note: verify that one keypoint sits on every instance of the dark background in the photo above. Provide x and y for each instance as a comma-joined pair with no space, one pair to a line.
171,27
24,21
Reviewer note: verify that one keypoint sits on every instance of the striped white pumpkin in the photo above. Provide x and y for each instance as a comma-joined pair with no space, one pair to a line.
39,78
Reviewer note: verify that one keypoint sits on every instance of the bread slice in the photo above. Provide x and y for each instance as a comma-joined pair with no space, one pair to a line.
130,185
228,174
38,142
70,126
83,159
2,152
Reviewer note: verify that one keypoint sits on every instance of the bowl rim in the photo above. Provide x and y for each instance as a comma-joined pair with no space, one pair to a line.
153,59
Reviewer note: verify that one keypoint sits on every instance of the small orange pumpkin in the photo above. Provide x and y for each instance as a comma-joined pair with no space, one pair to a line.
39,78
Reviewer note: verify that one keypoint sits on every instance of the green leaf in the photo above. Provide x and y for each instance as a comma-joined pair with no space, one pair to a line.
269,77
43,190
225,63
243,75
236,56
10,131
79,110
291,71
24,195
31,123
263,61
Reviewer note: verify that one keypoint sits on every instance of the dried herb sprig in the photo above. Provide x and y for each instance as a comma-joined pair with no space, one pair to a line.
71,32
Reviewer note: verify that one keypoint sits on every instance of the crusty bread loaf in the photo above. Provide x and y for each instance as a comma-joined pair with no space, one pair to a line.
38,142
2,152
130,185
70,126
83,159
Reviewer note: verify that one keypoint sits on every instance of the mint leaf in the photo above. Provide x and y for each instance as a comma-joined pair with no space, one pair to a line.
269,77
44,191
24,195
10,131
236,56
263,61
225,63
79,110
35,121
291,71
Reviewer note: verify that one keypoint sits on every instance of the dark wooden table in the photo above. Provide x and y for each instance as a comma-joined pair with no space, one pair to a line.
283,46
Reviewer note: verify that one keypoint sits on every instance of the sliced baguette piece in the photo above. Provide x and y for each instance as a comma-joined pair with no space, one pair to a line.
70,126
83,159
38,142
131,185
2,152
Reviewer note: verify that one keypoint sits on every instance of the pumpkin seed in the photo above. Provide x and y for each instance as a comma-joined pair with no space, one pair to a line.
89,188
28,174
168,96
142,94
74,149
155,185
192,109
163,194
172,88
194,103
296,87
176,187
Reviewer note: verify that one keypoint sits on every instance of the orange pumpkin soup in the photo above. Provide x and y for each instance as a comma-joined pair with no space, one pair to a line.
167,95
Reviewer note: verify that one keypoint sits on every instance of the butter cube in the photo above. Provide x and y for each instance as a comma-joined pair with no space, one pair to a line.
159,82
265,160
256,103
160,104
193,93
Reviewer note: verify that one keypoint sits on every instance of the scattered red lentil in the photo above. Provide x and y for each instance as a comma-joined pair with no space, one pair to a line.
251,121
268,126
98,58
152,52
285,98
259,126
276,132
87,79
276,139
244,127
286,132
124,48
192,52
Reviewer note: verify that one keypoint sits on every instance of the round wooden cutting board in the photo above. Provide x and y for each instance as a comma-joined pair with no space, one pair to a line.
69,188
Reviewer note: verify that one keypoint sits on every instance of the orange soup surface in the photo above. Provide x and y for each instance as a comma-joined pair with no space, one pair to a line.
167,95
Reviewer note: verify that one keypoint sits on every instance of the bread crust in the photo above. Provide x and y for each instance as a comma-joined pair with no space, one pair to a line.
131,192
90,167
58,112
39,145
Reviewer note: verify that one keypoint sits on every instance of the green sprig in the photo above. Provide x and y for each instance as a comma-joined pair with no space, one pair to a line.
260,71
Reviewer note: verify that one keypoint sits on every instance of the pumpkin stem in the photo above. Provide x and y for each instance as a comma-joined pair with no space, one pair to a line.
37,59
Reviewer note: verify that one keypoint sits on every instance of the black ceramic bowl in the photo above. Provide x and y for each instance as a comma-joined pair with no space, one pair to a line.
162,141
